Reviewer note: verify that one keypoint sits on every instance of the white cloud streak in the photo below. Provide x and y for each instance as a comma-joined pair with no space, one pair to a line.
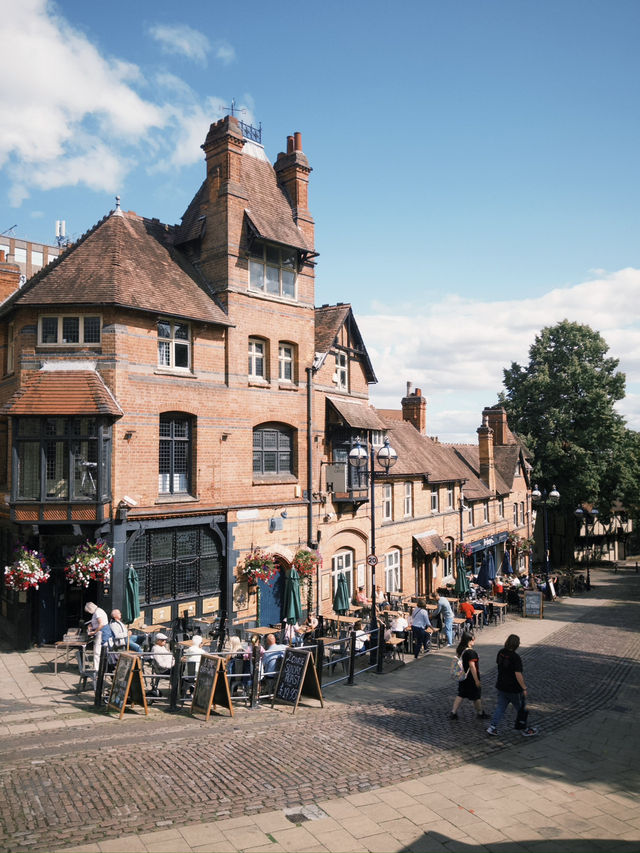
182,40
456,350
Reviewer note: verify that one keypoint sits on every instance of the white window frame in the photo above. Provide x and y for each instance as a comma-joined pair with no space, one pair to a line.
408,499
387,501
285,360
342,561
485,512
377,437
392,573
271,260
257,359
470,515
450,495
435,499
500,507
342,371
167,345
521,512
515,513
59,333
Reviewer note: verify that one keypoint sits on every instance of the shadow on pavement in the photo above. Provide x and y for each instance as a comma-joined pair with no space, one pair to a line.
435,842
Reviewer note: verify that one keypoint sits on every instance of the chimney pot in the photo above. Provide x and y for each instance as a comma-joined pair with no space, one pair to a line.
418,392
290,144
298,141
408,388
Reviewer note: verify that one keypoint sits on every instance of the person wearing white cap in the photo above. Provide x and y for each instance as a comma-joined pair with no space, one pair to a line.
161,660
194,651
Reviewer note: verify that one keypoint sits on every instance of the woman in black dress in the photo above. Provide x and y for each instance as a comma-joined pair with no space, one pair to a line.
469,688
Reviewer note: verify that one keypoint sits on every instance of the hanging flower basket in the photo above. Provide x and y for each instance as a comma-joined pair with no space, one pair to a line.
464,550
525,545
29,569
444,553
513,540
306,563
91,561
258,566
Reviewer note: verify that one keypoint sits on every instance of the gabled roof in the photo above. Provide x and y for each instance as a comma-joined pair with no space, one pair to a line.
329,319
356,414
126,261
470,454
63,392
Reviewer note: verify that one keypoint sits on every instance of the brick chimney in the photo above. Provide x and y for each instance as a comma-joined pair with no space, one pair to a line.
292,170
485,450
496,418
9,277
414,409
225,201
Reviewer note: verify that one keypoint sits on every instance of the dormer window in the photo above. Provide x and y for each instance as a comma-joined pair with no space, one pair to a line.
272,269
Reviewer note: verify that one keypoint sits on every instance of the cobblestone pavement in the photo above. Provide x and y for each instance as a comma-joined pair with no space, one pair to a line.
70,776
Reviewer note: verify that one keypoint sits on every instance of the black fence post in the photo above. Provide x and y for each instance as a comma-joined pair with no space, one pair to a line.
255,676
380,660
320,660
352,656
102,665
174,682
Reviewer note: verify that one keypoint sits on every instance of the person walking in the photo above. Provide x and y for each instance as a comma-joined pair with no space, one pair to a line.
469,688
446,614
420,627
511,688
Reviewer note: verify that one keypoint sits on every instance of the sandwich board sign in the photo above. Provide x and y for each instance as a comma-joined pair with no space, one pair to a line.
212,687
297,677
128,684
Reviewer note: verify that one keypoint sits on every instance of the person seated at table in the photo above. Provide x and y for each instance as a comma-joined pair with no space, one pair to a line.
116,633
399,626
194,652
310,625
360,599
273,651
381,599
362,636
161,661
293,634
498,588
467,611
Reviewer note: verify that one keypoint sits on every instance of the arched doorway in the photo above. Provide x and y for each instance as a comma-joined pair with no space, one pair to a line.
271,596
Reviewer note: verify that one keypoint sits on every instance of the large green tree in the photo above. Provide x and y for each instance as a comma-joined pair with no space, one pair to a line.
562,405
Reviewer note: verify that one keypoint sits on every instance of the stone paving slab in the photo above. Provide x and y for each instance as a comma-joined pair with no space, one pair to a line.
437,785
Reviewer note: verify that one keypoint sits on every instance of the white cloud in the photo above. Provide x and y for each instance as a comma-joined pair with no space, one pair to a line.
182,40
457,349
225,52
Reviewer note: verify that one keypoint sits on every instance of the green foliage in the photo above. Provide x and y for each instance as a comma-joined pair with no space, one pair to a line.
562,405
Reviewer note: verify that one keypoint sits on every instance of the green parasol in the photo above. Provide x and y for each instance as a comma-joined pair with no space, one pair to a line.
131,605
341,597
292,606
462,581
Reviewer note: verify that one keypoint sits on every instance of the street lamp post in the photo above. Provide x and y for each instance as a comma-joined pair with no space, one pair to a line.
387,458
546,499
587,515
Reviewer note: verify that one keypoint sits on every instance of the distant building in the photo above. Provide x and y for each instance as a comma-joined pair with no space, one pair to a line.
29,257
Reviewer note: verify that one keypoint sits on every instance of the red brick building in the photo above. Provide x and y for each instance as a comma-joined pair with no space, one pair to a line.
174,391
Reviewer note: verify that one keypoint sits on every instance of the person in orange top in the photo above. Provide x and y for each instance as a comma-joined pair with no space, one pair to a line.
468,611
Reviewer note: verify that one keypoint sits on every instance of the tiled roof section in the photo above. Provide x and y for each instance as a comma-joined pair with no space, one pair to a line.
357,415
193,221
506,459
419,454
329,320
126,260
267,204
429,542
63,392
391,414
475,488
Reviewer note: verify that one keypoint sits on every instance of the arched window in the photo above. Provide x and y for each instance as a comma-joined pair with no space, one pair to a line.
342,562
272,449
174,454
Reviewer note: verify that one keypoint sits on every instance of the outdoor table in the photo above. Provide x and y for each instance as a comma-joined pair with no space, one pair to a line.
66,646
396,644
263,630
501,607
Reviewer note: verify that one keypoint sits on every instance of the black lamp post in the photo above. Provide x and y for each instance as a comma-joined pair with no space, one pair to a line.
587,515
546,499
387,458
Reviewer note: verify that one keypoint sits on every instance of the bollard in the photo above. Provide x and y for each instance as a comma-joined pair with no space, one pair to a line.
352,656
174,681
254,702
102,665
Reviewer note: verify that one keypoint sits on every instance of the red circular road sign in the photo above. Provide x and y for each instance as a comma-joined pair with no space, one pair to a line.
372,560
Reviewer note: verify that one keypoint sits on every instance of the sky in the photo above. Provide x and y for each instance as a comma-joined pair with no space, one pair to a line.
475,162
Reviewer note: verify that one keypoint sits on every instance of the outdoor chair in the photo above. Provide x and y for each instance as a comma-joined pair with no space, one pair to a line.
86,670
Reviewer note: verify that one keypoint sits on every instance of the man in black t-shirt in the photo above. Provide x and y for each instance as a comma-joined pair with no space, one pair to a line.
511,688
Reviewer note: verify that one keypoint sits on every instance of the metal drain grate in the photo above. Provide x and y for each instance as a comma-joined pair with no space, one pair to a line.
304,813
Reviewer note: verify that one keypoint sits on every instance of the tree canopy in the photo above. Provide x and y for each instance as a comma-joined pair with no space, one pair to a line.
562,406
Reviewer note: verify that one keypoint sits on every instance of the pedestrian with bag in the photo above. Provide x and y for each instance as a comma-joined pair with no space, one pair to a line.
421,629
469,685
511,688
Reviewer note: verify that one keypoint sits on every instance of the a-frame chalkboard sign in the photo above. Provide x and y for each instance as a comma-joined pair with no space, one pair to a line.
212,687
128,684
297,677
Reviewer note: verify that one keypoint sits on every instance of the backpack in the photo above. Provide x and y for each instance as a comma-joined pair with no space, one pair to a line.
457,670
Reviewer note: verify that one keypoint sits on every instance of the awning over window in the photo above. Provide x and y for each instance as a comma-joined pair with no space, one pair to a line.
64,392
357,415
430,543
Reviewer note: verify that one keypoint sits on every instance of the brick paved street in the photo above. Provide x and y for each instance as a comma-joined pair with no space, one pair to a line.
385,766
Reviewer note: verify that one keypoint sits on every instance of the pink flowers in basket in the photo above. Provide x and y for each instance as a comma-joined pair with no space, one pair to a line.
91,561
29,569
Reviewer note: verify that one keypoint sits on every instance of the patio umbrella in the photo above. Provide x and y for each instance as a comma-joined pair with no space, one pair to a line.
292,606
506,568
483,574
131,605
462,581
491,567
341,597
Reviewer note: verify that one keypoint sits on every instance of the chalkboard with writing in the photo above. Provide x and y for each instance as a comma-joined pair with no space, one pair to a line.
128,684
533,604
212,687
297,677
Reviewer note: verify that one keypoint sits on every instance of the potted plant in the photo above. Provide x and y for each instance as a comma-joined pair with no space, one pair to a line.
306,562
258,565
29,569
91,561
464,550
444,553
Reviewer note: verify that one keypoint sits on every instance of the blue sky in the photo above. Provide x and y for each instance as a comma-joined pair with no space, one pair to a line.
475,163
